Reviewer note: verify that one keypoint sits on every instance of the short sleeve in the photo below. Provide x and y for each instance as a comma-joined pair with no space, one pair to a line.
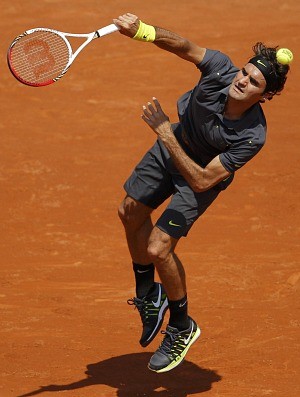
217,70
241,152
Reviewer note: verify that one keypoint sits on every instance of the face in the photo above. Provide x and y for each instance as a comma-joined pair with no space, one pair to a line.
248,85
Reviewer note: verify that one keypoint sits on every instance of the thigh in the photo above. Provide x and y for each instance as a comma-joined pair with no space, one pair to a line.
151,183
131,209
184,209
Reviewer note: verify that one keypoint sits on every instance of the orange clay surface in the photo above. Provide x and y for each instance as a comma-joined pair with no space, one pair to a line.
66,149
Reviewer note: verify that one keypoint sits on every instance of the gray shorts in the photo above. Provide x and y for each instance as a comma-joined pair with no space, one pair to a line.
155,179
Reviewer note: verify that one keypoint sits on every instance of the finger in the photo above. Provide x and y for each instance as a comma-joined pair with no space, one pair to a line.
129,18
148,121
151,108
157,104
132,16
146,112
120,23
124,19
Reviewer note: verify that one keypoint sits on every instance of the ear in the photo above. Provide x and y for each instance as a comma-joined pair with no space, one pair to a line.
267,95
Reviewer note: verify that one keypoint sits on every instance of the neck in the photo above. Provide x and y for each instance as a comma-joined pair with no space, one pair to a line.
234,110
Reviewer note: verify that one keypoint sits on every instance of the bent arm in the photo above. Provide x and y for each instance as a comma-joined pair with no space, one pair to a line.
129,23
199,178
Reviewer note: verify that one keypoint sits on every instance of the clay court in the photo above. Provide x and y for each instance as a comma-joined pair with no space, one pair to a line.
66,150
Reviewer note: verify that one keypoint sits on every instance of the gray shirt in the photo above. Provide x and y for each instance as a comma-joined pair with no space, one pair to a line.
206,132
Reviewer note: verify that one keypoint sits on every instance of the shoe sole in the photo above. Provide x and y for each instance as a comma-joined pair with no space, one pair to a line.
180,358
161,316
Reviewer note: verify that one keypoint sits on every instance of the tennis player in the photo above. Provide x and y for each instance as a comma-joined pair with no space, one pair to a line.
221,127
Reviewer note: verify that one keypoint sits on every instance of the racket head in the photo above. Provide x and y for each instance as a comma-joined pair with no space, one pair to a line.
39,56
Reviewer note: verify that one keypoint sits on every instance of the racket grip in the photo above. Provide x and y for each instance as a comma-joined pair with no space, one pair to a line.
107,30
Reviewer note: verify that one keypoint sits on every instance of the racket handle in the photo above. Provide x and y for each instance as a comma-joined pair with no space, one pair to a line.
107,30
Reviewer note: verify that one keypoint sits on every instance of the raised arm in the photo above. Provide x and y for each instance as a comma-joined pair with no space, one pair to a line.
129,25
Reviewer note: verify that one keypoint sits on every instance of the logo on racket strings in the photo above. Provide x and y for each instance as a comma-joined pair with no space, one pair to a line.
38,53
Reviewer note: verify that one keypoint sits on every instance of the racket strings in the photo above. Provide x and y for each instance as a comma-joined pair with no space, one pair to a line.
39,57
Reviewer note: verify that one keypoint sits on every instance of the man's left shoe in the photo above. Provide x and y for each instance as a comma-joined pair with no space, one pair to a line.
152,309
174,347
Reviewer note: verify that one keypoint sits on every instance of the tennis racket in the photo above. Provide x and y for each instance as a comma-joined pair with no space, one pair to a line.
42,56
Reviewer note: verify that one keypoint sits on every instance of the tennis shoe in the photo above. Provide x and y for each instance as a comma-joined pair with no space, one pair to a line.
152,309
174,347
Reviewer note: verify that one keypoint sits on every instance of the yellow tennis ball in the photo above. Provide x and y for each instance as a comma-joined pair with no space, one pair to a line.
284,56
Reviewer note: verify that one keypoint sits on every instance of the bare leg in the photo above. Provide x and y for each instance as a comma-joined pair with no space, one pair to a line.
147,244
171,272
136,218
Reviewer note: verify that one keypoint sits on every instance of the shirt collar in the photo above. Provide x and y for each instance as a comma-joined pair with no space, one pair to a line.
249,117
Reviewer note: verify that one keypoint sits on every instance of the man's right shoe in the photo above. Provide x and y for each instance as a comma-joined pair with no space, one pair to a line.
152,309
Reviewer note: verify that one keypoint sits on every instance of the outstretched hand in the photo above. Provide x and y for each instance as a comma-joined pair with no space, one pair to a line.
157,120
128,24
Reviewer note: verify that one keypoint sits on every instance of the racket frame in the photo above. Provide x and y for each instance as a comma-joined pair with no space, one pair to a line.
63,35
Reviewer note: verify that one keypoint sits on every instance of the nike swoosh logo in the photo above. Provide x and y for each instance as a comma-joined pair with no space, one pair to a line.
261,63
171,223
182,304
143,271
186,341
145,36
157,303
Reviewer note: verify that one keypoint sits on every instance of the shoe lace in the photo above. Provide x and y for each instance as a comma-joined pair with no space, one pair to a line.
141,306
171,344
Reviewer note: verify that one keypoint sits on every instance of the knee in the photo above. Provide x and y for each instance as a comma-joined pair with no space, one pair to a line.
126,214
133,214
122,213
159,249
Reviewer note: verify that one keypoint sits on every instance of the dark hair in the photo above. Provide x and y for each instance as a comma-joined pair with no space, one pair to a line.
280,70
